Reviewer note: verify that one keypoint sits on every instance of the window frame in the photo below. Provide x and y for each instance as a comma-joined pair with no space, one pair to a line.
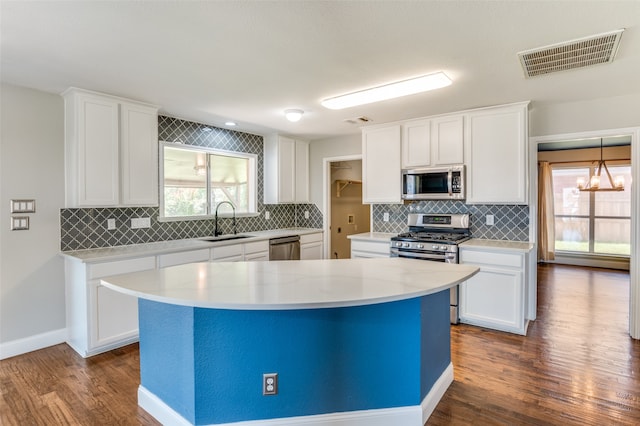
252,182
591,217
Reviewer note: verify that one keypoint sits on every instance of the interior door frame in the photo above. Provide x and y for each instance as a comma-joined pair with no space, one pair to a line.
634,261
326,197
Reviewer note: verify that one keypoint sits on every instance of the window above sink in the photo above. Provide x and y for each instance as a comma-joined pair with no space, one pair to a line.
194,180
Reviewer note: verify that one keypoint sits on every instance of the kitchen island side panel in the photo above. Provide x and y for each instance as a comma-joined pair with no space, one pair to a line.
167,354
436,339
328,360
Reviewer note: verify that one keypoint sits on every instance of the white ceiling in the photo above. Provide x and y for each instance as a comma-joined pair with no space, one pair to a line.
247,61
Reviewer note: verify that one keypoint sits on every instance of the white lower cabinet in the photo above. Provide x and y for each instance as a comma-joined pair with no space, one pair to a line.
311,246
366,249
256,251
495,297
98,318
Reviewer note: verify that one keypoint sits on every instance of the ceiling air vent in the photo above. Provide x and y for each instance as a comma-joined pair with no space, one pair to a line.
579,53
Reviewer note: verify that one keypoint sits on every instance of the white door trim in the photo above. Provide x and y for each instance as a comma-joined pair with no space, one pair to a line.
326,197
634,263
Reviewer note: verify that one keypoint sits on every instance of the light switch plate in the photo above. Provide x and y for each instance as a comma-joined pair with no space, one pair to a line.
111,224
306,214
266,215
385,217
19,223
23,206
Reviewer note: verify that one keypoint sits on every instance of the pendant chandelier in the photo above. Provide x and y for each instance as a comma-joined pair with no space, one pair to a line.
616,184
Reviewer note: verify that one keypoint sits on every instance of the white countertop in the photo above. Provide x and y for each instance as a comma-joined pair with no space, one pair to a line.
298,284
373,236
150,249
478,243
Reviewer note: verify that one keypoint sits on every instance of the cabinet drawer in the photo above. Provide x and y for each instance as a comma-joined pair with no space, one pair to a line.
310,238
171,259
226,251
370,247
512,260
100,270
256,247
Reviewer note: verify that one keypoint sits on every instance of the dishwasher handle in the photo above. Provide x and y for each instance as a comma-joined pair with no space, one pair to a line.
284,240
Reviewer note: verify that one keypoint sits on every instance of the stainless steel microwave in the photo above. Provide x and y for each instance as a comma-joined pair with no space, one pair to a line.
434,183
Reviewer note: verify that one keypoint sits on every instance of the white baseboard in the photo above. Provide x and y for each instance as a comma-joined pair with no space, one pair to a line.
407,416
436,393
32,343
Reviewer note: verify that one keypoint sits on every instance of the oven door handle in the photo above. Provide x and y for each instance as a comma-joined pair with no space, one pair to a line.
441,257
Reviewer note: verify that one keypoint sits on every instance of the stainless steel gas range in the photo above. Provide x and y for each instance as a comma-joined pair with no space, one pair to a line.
434,237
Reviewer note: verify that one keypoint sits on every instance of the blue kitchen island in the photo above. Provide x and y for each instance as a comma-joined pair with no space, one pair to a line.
353,341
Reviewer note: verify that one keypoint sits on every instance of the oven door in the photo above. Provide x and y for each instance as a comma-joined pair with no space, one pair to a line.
435,257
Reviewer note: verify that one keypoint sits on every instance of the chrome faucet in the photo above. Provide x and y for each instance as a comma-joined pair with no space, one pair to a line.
217,232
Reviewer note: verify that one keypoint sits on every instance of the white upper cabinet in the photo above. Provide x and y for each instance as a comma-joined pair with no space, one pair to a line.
139,154
447,140
286,170
381,164
416,144
111,151
496,155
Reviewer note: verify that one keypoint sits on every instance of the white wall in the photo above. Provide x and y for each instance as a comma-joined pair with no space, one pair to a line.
321,149
596,114
31,167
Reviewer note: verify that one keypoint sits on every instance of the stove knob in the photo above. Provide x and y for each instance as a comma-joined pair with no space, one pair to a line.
406,245
443,248
435,247
420,246
398,244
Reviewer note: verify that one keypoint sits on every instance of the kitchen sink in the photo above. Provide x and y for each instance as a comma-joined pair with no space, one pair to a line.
226,237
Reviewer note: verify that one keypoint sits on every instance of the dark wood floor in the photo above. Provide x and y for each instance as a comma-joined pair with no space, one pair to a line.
577,366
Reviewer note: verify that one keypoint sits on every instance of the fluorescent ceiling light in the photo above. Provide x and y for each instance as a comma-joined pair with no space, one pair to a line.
293,115
389,91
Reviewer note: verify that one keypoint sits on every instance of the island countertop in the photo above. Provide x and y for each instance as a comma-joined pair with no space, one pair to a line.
285,285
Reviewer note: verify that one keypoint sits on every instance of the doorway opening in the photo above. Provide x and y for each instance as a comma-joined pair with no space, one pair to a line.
344,212
535,211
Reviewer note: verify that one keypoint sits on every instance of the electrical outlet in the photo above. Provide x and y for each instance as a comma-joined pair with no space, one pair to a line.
489,219
385,217
270,384
306,214
267,216
140,222
111,224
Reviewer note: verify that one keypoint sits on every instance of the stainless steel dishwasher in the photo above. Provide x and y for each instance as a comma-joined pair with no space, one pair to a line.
284,248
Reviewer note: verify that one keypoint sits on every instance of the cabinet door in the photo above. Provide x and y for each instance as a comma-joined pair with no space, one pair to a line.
97,147
257,257
302,172
416,144
493,298
139,155
448,140
381,165
286,170
497,156
311,251
115,316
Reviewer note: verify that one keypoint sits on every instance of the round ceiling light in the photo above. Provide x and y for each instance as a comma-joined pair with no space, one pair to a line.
293,115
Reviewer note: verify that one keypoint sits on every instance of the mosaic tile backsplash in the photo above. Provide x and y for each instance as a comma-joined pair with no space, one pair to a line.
511,222
87,228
